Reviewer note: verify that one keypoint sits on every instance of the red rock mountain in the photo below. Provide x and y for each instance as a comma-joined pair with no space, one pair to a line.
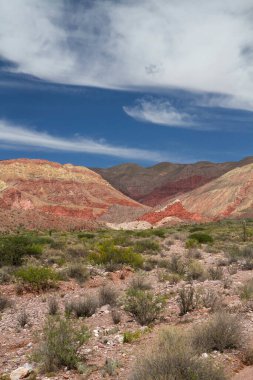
229,196
43,194
156,184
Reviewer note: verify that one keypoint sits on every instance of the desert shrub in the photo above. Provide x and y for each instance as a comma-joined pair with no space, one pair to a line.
131,336
247,356
108,295
79,272
215,273
148,265
195,270
223,331
144,306
53,306
201,237
77,251
160,232
147,246
196,229
247,264
83,307
37,278
246,291
173,358
176,265
59,344
236,253
110,368
187,299
116,316
191,243
139,283
4,302
86,235
13,248
211,299
108,253
57,244
23,318
5,275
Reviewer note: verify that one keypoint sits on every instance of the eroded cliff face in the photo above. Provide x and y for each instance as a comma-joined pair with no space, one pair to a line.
62,191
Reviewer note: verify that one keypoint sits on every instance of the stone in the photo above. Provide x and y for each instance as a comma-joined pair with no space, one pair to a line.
21,372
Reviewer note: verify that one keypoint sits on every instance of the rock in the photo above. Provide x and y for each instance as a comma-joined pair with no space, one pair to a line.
105,309
21,372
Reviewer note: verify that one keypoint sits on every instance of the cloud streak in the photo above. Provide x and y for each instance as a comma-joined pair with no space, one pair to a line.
20,136
160,111
195,45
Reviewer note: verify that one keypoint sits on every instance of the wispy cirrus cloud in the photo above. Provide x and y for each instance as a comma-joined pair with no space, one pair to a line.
160,111
19,137
195,45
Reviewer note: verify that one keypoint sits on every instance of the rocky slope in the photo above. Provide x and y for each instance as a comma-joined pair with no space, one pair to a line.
38,193
154,185
229,196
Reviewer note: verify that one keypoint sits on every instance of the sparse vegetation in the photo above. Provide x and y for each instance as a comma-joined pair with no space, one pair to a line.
4,302
108,295
59,344
223,331
139,283
79,272
53,306
174,358
83,307
37,278
144,306
23,318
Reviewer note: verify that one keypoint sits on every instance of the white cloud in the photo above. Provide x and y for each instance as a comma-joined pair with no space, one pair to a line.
19,136
160,111
199,45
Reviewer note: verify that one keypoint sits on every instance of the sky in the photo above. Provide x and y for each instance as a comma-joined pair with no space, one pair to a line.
102,82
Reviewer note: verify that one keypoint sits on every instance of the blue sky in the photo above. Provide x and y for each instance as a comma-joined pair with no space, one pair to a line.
126,82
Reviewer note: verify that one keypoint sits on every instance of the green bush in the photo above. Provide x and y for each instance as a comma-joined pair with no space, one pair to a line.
132,336
222,331
144,306
191,243
173,358
13,249
160,232
201,237
195,270
147,246
37,278
108,253
59,344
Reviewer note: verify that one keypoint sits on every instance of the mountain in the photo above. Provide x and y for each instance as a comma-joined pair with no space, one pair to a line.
229,196
43,194
154,185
